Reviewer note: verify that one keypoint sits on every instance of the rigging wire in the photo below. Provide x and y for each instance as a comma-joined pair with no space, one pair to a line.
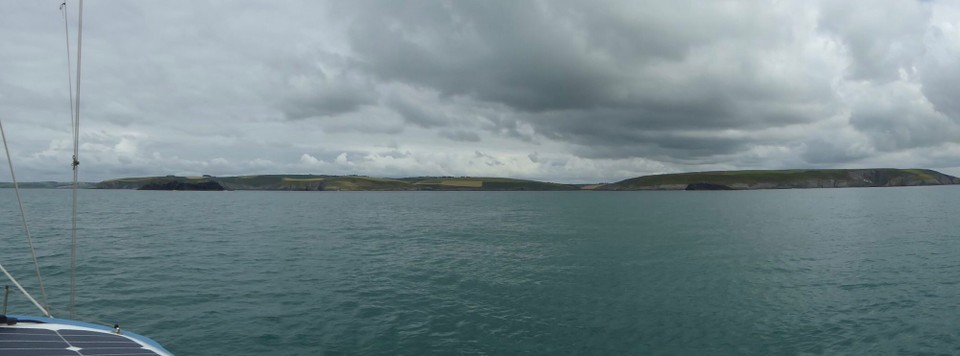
24,291
23,218
75,164
66,32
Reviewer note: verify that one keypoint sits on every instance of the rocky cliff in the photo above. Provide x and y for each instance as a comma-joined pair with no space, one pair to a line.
178,185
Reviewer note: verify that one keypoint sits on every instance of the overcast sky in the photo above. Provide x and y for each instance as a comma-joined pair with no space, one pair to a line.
565,91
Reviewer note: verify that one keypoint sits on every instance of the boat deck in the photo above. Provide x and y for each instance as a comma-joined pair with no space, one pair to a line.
36,338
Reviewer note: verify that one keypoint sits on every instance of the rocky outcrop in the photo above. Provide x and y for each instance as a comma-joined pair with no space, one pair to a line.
707,186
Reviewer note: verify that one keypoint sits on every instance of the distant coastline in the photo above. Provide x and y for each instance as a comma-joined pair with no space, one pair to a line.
49,185
786,179
339,183
716,180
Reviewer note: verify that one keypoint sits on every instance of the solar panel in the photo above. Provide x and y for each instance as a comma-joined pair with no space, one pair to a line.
44,342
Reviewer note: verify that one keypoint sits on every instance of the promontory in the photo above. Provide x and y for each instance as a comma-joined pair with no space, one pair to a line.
785,179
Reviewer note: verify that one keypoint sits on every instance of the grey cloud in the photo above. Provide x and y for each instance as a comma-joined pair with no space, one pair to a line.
460,136
880,38
313,93
537,56
939,71
906,63
416,114
312,105
899,129
364,123
940,87
835,149
602,76
498,51
534,157
395,154
23,102
487,159
668,148
507,124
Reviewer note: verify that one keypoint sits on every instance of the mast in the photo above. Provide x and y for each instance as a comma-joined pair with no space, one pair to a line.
75,164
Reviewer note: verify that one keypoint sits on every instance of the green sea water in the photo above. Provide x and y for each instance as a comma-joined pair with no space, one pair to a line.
819,271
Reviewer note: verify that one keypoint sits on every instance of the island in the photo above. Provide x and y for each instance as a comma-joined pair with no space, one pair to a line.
716,180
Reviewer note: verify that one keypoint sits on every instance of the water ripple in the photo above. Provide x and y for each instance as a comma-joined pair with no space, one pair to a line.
402,273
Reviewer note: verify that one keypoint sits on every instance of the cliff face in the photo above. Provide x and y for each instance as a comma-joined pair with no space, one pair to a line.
833,178
177,185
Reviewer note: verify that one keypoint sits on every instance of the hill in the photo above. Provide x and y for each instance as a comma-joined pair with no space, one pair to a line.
342,183
785,179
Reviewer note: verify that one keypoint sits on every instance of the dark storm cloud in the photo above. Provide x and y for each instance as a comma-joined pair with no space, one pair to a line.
598,77
662,146
507,52
537,56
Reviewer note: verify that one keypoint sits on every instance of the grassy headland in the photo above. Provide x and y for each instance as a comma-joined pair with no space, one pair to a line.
785,179
344,183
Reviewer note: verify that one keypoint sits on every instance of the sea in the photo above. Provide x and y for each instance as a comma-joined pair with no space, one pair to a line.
766,272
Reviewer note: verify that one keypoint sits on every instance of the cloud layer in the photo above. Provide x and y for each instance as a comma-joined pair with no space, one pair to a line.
566,91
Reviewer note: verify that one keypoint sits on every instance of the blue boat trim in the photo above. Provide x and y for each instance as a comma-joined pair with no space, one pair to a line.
132,335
